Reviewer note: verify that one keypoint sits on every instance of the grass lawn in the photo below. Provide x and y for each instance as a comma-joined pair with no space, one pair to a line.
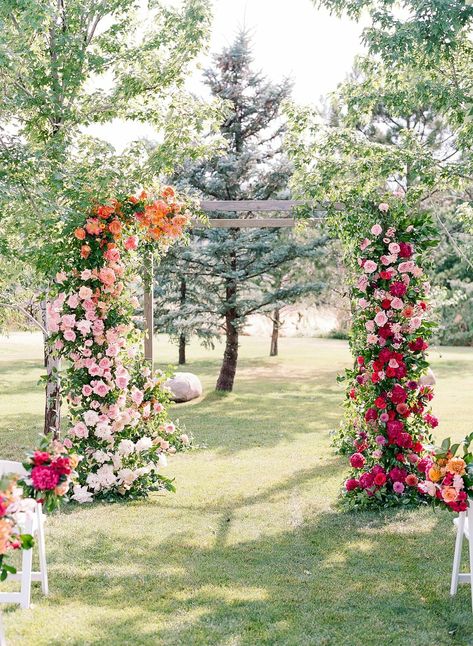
251,549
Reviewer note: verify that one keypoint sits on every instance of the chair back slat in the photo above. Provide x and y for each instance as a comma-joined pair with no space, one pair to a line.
11,467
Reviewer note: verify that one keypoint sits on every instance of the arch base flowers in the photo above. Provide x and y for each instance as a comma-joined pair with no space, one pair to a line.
388,419
118,421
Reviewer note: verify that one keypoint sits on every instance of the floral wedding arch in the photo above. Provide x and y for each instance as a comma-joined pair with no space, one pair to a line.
118,422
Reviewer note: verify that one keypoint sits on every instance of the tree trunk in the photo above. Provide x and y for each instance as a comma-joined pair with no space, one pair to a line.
273,352
182,349
182,336
230,357
52,406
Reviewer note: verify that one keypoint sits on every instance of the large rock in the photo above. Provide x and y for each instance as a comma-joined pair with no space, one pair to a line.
184,386
428,379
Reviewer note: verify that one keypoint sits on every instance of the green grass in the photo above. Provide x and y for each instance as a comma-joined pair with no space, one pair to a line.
251,549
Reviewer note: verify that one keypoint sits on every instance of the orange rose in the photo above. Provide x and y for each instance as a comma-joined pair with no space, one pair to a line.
434,473
85,251
456,465
449,494
80,233
104,211
115,227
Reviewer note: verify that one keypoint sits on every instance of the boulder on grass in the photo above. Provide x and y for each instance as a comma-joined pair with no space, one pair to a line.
428,379
184,386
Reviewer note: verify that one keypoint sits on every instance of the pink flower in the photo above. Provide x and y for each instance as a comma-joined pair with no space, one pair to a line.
397,303
398,487
91,417
73,301
365,243
158,407
112,350
68,320
376,229
86,274
58,344
101,388
362,283
69,335
369,325
137,396
107,276
85,292
79,430
370,266
84,326
405,267
88,304
67,443
394,248
383,207
60,277
95,370
381,319
131,243
112,255
86,390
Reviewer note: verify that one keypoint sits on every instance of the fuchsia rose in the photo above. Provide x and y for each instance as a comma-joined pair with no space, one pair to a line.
351,484
397,289
357,460
405,250
44,478
398,395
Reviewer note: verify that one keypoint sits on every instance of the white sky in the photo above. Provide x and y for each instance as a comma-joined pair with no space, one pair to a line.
290,38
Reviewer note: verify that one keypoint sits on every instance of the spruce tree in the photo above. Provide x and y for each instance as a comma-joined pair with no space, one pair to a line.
229,273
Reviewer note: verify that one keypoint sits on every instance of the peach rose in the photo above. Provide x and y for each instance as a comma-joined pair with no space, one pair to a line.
115,227
449,494
456,466
80,233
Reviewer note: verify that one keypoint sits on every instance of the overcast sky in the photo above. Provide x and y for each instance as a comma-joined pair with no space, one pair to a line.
290,38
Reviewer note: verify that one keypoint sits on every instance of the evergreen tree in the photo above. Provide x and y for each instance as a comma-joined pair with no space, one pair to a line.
229,273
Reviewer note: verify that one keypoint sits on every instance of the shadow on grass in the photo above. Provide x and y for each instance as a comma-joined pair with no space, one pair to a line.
336,579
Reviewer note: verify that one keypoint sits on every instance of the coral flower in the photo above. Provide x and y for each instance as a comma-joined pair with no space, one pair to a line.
85,251
456,466
115,227
449,494
80,233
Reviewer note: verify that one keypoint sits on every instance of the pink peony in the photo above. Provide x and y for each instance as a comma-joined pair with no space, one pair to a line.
398,487
44,478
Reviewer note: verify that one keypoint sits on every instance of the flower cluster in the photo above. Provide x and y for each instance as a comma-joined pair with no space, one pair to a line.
388,417
11,505
448,479
118,408
50,473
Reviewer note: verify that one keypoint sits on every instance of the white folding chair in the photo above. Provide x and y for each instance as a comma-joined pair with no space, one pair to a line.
462,525
30,524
